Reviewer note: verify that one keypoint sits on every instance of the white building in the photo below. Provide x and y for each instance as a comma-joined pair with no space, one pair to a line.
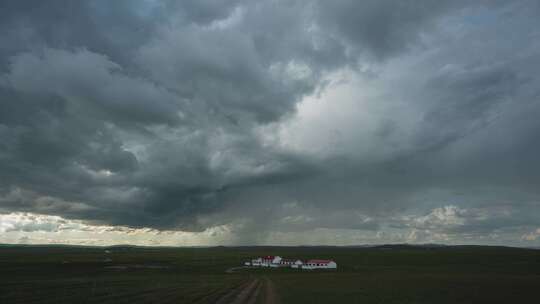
266,261
297,264
277,261
286,263
319,264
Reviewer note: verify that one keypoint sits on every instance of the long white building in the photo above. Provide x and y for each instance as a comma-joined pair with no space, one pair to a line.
277,261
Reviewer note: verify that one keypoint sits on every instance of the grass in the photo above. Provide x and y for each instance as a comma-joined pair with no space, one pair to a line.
80,275
400,274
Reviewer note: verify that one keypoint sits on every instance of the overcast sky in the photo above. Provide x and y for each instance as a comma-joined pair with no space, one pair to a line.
269,122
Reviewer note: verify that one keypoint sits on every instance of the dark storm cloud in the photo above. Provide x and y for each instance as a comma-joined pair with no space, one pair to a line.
382,28
185,115
112,28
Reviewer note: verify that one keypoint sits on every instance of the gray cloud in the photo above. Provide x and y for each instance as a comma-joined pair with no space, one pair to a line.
382,28
273,117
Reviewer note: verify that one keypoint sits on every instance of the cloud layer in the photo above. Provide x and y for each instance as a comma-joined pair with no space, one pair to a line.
362,121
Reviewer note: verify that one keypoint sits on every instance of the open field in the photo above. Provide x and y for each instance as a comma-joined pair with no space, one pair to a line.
388,274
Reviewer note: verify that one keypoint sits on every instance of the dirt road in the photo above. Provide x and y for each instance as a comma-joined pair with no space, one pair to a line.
270,295
255,291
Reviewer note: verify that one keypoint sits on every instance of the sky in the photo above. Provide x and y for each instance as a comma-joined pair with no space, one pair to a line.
198,122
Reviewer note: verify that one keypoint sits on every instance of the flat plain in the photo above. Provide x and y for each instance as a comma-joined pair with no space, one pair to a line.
381,274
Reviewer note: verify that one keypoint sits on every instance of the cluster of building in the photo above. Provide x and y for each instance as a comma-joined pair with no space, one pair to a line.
277,261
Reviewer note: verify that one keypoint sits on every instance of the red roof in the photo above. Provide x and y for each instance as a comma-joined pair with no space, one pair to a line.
319,261
268,257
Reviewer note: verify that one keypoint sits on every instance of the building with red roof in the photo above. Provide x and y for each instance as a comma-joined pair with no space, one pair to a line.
319,264
277,261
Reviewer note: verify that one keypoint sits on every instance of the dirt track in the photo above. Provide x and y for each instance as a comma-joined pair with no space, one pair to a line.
270,295
255,291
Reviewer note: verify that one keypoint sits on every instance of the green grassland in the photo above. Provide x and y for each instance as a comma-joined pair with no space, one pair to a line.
387,274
